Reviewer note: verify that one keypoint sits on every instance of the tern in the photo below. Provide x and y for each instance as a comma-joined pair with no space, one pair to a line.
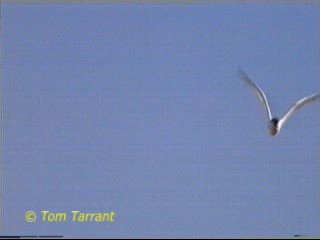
276,124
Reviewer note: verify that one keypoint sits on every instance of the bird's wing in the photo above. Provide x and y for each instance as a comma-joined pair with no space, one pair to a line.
257,90
302,102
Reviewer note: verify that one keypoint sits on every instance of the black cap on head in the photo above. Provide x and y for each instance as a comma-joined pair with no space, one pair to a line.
275,121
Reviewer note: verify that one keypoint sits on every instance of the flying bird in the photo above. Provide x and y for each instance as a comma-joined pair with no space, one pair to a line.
276,124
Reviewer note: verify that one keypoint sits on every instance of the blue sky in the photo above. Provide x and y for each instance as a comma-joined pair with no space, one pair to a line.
138,109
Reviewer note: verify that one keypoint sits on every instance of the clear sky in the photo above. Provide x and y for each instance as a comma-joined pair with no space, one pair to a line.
138,109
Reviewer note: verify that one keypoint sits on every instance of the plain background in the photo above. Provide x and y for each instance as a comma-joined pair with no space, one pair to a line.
138,109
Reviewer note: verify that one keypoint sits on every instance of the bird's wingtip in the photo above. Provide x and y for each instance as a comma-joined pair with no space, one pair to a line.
241,72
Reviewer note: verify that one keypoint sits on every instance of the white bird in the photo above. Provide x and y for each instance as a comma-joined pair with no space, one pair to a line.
275,125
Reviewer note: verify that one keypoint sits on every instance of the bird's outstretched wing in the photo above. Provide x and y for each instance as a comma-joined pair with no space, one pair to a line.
302,102
257,90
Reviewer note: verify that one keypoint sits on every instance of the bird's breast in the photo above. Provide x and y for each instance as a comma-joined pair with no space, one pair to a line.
273,128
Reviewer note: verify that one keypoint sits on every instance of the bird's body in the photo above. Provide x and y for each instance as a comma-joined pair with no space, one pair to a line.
275,124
